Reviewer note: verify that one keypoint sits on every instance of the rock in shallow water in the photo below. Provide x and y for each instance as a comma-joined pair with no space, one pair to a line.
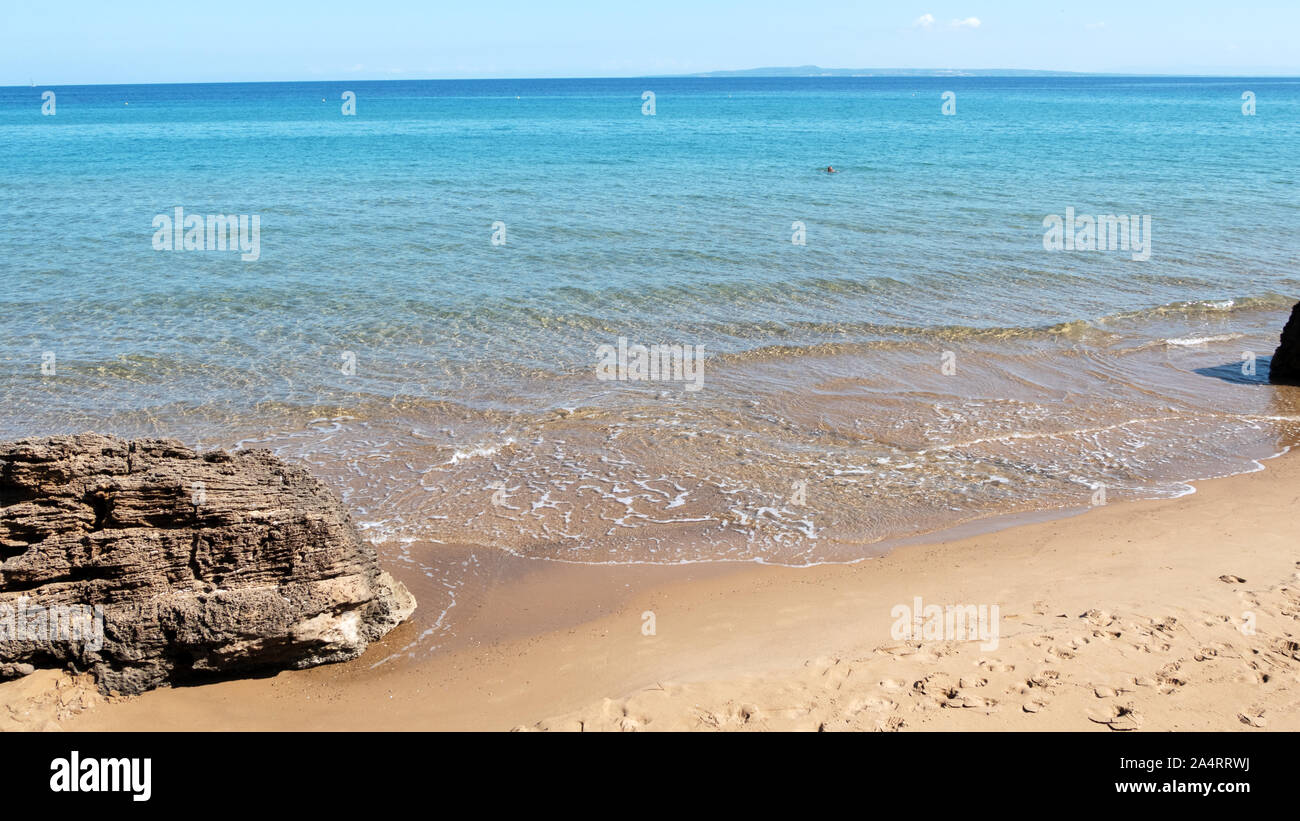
201,566
1285,367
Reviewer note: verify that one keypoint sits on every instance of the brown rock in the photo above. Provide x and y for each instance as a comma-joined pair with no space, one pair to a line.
202,566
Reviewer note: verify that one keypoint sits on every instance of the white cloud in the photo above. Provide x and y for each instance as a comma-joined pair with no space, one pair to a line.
924,21
968,23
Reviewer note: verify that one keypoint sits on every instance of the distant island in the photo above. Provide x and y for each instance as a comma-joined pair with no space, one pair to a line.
818,71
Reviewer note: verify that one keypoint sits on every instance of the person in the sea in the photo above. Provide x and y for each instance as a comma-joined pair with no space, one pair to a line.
831,170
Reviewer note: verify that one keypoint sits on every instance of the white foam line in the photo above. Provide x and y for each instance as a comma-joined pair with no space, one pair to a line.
1045,434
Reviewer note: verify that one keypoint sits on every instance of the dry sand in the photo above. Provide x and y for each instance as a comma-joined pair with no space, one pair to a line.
1180,614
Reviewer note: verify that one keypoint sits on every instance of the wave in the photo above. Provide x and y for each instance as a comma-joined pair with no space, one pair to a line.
1189,341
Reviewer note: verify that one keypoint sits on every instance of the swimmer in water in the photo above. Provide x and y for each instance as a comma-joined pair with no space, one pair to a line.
830,169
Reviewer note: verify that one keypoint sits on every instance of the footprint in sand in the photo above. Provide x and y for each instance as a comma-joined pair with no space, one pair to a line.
872,704
1254,675
1214,650
942,690
1288,647
1100,620
1167,682
937,686
890,725
1118,717
996,666
1252,718
1044,680
746,713
1152,638
628,724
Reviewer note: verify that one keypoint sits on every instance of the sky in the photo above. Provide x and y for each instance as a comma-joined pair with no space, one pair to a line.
92,41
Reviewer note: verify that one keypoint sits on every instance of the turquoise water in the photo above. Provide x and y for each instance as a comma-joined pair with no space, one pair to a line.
376,242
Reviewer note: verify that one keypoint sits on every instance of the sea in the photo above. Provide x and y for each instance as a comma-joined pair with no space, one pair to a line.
446,287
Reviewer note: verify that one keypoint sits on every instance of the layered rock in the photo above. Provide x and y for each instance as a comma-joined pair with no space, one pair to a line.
1285,367
196,566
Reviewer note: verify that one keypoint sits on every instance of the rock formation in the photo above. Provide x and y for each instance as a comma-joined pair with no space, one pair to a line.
194,565
1285,367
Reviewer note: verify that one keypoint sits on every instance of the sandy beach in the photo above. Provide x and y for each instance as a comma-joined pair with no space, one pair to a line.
1177,614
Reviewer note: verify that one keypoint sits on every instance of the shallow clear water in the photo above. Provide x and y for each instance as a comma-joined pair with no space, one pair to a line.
827,423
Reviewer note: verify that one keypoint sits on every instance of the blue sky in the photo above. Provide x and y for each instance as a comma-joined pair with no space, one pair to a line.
55,43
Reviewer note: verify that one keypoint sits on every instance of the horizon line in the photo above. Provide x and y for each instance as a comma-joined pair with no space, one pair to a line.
778,72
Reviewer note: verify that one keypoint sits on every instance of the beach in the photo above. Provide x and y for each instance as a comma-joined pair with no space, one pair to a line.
662,425
1125,617
685,370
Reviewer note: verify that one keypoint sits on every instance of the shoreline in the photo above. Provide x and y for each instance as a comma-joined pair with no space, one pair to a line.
827,456
1116,618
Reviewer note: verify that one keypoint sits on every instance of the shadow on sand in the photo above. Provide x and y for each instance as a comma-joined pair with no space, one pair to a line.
1232,372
